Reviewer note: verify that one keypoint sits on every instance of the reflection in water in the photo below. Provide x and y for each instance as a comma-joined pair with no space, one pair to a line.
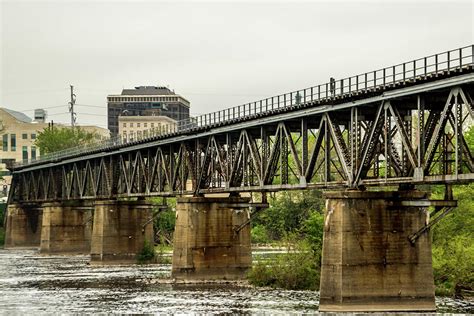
31,283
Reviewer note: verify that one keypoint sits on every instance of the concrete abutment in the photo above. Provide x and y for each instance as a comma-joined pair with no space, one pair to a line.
207,245
23,226
368,263
120,230
66,227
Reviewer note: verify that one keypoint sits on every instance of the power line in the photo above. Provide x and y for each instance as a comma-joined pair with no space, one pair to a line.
92,106
46,108
62,113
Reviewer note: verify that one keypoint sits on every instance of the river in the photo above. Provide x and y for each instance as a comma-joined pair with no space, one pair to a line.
31,283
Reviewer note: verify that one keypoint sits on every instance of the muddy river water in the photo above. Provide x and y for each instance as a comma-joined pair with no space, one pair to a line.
31,283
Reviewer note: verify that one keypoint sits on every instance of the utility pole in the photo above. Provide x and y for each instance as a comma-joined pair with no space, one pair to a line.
71,107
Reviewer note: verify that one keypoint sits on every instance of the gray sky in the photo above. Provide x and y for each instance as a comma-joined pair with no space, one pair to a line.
217,55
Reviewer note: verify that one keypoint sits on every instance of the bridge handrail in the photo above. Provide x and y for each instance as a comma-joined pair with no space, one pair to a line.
369,81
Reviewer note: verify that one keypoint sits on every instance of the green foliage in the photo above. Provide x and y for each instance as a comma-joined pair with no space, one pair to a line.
297,218
297,269
469,137
56,139
453,265
259,235
3,209
453,243
288,212
164,221
147,254
313,232
162,257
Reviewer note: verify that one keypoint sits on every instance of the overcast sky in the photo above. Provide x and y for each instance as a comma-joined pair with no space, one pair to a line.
217,55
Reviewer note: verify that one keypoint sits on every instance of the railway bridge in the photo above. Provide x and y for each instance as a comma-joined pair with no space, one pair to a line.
372,141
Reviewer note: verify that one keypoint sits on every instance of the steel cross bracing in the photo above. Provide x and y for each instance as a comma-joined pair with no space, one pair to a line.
410,134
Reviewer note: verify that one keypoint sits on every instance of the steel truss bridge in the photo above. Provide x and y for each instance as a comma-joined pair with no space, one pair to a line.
400,125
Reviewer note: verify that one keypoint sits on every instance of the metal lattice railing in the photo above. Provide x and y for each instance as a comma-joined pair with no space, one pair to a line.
407,72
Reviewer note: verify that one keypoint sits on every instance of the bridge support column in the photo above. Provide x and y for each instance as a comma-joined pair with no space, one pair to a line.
206,244
66,227
368,263
23,226
120,230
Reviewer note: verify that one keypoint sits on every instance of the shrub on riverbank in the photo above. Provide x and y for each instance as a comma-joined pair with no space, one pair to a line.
297,269
453,244
147,254
295,219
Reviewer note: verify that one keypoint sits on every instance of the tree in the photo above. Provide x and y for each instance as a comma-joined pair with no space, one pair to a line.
56,139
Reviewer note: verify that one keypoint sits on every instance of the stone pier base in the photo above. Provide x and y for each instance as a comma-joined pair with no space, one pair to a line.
120,230
66,227
206,244
368,263
23,226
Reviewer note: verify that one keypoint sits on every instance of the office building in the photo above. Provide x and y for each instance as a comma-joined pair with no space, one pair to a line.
145,101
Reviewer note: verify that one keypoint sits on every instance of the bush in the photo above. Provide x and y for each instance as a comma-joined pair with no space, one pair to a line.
453,244
297,269
147,254
313,230
452,266
164,221
288,211
3,209
259,235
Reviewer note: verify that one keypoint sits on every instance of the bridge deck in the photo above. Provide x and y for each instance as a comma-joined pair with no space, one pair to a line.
385,127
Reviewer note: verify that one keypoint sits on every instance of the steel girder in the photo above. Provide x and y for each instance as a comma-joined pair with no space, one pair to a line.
414,139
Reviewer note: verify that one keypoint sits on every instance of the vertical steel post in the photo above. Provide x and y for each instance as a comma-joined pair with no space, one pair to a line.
327,153
404,74
449,61
304,145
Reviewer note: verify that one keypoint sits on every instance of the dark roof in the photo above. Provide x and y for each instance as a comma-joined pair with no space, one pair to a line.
18,115
148,90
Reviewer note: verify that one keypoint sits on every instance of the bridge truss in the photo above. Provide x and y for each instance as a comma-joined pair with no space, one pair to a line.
400,133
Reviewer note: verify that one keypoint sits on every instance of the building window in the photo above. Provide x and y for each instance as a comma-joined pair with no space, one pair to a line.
138,124
24,136
152,125
33,136
124,124
5,142
145,124
33,153
25,153
131,124
13,142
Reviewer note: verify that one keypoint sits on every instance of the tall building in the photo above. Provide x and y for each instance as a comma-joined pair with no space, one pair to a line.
145,101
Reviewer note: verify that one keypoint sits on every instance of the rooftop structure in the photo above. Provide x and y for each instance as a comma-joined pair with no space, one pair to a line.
145,101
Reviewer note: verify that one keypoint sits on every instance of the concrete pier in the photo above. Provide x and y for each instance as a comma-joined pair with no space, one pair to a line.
368,263
23,226
119,231
206,244
66,227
